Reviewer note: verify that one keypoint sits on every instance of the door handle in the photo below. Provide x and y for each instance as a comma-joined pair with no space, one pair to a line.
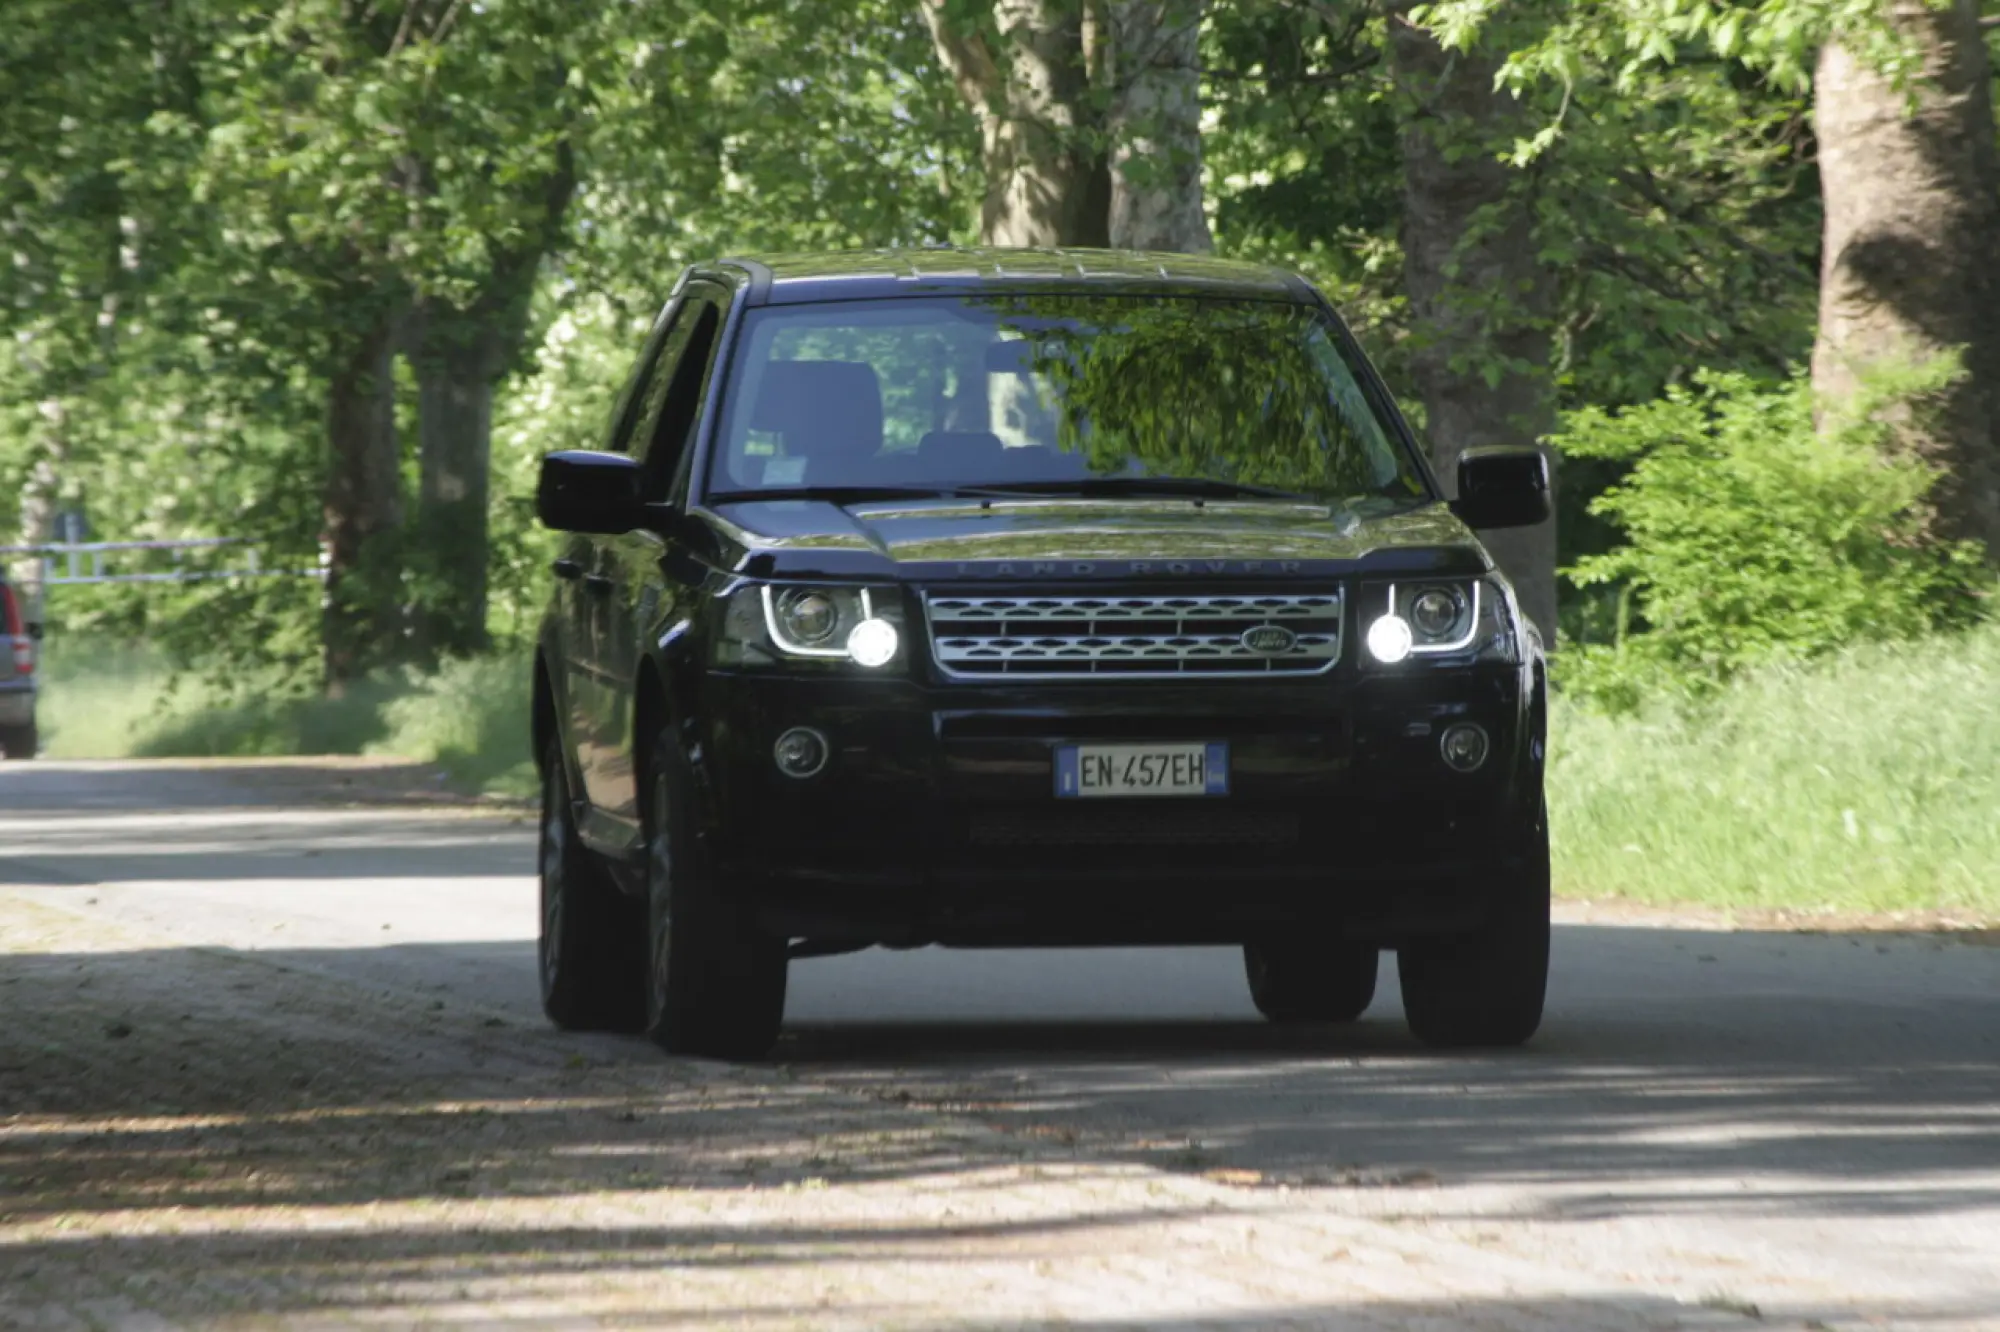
567,569
597,583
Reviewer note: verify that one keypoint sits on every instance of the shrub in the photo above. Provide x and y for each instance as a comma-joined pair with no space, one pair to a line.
1751,536
469,717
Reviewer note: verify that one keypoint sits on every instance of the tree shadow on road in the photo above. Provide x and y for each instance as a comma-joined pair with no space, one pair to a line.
1750,1071
142,1090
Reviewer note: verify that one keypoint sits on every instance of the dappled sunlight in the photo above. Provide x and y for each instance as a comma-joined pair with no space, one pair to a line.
1746,1073
380,1124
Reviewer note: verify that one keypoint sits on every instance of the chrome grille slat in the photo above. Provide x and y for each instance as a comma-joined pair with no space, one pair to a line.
1127,637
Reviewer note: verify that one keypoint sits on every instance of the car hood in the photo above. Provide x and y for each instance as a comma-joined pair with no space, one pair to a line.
943,540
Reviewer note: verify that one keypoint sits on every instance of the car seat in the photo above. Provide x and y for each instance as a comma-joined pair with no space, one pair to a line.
826,412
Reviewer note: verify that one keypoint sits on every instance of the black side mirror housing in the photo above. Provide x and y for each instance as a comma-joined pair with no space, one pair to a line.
584,491
1503,487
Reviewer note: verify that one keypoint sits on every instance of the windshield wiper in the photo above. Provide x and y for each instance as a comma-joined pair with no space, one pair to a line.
831,494
1196,487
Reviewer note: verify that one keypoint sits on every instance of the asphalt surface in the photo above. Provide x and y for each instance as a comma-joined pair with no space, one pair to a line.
1779,1125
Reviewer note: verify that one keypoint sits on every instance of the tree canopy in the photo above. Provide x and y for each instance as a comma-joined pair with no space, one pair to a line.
330,274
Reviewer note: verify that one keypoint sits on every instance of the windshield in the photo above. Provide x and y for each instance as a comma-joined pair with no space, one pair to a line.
1053,394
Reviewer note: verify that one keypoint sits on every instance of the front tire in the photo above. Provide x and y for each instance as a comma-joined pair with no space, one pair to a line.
1486,987
1311,982
592,945
717,983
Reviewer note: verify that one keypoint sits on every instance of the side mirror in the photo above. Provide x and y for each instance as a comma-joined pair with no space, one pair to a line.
584,491
1502,487
35,630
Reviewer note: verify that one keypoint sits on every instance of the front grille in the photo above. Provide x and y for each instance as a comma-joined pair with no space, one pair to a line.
1187,823
1089,637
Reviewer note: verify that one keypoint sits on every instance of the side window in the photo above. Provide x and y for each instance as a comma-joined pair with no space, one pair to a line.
673,405
633,402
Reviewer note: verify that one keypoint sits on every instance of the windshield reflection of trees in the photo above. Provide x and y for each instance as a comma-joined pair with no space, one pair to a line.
1255,393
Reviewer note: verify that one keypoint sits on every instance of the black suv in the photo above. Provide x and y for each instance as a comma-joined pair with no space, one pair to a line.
1011,598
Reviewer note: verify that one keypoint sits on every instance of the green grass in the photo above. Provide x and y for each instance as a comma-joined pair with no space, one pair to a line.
1870,782
97,698
469,719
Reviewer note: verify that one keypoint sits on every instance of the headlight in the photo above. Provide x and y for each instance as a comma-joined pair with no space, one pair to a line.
1467,617
1437,613
805,615
766,625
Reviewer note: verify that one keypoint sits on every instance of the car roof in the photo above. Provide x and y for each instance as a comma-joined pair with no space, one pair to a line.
784,279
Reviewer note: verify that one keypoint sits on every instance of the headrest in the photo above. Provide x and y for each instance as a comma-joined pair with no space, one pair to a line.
822,408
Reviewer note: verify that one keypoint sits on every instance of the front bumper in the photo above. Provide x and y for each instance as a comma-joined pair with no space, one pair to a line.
936,820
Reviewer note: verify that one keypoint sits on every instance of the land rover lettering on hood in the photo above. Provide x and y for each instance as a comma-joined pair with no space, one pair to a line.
1030,598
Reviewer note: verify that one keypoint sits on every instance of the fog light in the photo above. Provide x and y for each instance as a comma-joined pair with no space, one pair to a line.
873,643
1389,639
800,752
1464,746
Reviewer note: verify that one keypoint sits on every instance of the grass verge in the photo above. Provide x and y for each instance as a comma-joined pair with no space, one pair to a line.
1867,783
469,719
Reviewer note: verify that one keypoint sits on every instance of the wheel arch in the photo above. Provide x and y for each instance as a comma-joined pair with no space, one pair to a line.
542,723
649,716
661,704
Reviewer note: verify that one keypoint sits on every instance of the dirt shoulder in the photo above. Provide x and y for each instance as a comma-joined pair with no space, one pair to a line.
1933,924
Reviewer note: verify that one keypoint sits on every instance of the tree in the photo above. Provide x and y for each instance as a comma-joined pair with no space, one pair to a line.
88,217
1089,117
412,167
1912,187
491,128
1904,114
1022,70
1480,296
1153,125
302,142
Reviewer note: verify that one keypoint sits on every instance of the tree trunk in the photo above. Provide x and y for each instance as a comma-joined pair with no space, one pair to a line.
456,369
459,358
364,511
1154,126
1047,179
1912,240
1480,298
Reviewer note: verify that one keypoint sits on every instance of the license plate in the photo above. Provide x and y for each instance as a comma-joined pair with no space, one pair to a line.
1195,769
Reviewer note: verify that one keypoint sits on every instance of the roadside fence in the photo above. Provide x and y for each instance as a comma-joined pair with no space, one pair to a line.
79,563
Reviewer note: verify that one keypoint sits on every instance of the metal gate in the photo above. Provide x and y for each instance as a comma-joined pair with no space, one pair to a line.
69,564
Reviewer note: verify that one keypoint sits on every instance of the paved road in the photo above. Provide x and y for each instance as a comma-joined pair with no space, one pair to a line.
1737,1126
